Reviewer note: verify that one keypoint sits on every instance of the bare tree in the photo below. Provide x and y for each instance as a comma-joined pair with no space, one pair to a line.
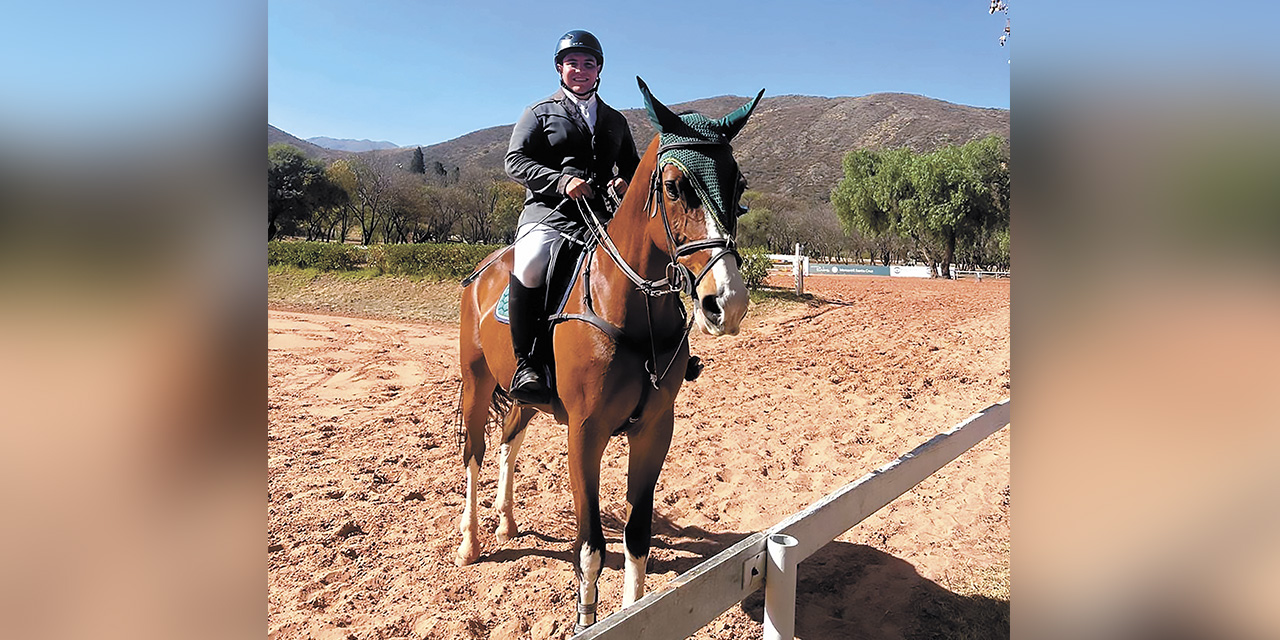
406,208
444,207
490,204
372,185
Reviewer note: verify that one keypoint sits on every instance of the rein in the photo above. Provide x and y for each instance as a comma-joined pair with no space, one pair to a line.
679,278
676,282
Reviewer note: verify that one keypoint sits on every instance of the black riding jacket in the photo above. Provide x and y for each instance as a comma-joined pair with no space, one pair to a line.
552,143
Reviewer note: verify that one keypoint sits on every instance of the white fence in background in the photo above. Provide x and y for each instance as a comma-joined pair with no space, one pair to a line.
770,557
789,261
979,274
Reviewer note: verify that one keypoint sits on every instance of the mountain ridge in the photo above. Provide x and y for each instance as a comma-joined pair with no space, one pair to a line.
793,145
347,144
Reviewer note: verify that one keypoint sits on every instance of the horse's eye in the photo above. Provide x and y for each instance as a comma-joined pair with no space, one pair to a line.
673,189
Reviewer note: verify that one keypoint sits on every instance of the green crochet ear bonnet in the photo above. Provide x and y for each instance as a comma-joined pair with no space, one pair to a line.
699,147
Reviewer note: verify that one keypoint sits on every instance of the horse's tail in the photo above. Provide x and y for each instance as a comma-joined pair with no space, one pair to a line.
499,405
459,425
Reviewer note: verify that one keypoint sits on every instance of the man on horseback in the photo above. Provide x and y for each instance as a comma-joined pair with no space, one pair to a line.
568,147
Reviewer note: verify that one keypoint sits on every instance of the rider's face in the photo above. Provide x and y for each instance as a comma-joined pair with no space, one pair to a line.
579,72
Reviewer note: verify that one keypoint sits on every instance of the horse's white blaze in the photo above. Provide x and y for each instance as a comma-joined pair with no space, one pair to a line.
729,289
590,561
633,581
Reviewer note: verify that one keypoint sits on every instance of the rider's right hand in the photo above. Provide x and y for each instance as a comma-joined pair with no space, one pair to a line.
578,189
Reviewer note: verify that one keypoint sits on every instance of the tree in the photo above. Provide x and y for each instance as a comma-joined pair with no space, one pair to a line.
955,195
438,171
418,165
962,194
341,174
296,187
445,205
404,210
331,202
371,188
494,208
755,228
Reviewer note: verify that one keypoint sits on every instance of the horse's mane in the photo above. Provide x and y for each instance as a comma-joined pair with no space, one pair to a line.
639,180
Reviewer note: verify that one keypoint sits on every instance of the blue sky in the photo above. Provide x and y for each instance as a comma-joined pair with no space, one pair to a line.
426,72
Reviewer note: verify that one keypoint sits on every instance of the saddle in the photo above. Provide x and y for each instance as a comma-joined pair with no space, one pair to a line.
566,265
566,257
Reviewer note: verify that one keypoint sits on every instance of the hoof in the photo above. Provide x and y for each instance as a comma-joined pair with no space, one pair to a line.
467,554
506,533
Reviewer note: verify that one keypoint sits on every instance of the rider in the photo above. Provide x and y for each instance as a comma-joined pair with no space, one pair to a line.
568,147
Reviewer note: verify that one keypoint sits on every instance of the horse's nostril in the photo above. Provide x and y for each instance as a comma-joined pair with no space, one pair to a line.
710,307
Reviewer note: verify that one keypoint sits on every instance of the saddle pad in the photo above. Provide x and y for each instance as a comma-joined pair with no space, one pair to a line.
502,311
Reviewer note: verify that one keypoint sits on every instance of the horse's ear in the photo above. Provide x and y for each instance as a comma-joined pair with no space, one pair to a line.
662,118
733,123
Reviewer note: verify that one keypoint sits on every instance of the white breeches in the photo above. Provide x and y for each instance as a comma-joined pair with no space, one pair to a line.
533,253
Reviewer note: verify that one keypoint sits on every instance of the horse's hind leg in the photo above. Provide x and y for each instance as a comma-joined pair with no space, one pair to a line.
513,430
477,393
648,450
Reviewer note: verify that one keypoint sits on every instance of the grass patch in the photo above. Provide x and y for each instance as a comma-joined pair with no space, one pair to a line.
766,299
284,282
371,293
976,609
957,617
363,293
361,274
766,294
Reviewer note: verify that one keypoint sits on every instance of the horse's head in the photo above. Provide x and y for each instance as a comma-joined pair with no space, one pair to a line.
696,209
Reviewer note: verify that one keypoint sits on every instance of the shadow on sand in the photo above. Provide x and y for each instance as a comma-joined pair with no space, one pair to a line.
850,590
844,590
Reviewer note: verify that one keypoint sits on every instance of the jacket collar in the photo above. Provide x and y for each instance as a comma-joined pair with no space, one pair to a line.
562,97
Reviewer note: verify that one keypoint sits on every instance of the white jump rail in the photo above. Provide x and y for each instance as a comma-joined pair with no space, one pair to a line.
980,274
699,595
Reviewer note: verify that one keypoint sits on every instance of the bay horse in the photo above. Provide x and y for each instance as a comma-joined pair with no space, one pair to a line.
621,342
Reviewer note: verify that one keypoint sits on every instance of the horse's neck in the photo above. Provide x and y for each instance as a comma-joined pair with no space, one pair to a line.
618,299
629,231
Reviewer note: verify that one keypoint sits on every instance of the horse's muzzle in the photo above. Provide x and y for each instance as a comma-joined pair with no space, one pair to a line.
721,314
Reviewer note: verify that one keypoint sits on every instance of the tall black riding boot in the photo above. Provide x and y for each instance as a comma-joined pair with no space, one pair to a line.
526,309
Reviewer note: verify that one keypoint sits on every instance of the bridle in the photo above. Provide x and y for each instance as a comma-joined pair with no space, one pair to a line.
679,278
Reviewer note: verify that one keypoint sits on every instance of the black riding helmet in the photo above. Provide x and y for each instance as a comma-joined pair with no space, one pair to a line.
579,40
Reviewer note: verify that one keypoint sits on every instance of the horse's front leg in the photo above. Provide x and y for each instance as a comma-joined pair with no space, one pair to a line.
586,448
648,449
512,437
